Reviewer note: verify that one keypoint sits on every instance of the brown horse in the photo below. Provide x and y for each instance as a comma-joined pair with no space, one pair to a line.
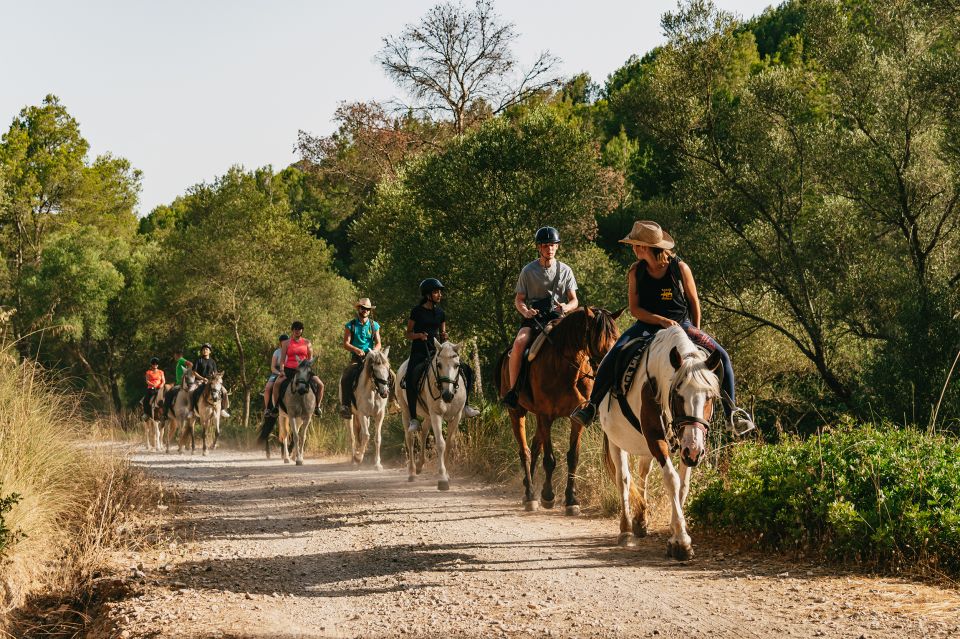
559,380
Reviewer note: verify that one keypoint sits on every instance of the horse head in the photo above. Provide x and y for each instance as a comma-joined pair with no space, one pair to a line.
301,381
446,364
602,332
214,389
377,364
692,392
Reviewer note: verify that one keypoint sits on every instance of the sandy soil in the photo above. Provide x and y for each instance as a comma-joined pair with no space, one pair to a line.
275,551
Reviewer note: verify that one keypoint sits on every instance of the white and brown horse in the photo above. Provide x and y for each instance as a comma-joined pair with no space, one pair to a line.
370,397
675,388
209,405
442,397
180,423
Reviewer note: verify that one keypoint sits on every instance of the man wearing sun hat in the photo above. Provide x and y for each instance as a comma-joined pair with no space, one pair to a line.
360,335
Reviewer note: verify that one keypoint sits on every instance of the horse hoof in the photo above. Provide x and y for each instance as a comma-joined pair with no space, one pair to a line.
378,467
531,506
626,540
679,552
412,478
299,462
286,461
639,530
548,503
572,511
443,484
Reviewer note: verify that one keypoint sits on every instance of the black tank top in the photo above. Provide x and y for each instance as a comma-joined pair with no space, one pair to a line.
662,296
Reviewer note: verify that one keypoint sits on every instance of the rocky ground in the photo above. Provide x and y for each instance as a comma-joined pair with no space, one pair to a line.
268,550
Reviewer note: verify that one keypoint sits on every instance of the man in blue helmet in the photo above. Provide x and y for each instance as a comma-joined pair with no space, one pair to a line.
546,290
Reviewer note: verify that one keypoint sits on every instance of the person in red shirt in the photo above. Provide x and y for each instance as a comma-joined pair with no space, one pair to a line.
155,381
292,351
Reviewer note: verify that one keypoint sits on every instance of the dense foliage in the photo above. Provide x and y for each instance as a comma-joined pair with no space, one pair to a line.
876,493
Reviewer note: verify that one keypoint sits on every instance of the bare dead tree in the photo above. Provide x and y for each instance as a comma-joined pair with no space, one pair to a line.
458,60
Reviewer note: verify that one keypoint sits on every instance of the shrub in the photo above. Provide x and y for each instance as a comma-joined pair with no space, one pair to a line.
871,493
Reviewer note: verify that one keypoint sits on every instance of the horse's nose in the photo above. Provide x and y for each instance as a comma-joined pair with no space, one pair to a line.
383,393
689,458
447,396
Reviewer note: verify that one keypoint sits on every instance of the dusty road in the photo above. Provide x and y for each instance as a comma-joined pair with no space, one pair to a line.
274,551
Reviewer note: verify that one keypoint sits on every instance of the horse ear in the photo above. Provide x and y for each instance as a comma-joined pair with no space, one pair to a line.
456,347
386,352
437,344
714,361
618,313
590,311
675,359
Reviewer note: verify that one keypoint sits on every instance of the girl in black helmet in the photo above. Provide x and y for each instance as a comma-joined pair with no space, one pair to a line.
427,322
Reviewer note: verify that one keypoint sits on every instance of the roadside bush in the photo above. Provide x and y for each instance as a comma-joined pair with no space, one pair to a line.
877,494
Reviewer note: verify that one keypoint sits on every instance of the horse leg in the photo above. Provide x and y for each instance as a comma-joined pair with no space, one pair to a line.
544,424
678,546
300,428
203,436
685,473
216,430
355,439
571,503
364,436
436,424
620,462
520,434
640,516
378,430
422,454
284,432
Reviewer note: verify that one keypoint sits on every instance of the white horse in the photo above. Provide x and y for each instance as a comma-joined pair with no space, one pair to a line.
371,397
443,396
296,409
209,405
183,418
675,387
153,420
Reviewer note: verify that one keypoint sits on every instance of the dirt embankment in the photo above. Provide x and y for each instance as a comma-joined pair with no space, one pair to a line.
323,550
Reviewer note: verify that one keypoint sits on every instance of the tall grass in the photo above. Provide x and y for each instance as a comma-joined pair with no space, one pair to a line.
75,502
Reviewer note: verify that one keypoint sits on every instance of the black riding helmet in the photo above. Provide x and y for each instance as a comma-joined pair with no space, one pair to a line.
430,285
283,337
547,235
154,360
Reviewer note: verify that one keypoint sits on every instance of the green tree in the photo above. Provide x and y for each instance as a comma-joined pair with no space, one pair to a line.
235,272
468,214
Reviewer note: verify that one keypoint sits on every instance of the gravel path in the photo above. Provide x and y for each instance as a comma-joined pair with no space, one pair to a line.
274,551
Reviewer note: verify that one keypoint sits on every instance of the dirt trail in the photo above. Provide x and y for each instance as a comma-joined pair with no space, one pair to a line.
322,550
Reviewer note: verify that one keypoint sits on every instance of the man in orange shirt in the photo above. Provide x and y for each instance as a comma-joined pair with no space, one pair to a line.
155,381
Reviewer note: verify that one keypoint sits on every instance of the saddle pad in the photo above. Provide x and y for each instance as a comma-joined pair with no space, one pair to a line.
538,342
628,361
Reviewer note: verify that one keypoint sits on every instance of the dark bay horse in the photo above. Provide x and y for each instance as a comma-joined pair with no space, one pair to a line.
559,380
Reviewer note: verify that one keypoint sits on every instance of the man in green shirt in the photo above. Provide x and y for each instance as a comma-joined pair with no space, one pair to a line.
182,364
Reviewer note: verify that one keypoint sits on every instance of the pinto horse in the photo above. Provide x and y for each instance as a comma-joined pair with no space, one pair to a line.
675,387
560,379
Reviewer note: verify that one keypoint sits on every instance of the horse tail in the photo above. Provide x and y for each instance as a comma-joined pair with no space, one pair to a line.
636,497
266,428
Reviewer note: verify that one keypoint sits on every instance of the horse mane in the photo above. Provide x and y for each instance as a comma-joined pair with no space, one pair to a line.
570,332
372,357
692,366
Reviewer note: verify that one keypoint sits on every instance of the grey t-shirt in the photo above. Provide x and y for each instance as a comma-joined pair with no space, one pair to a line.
536,282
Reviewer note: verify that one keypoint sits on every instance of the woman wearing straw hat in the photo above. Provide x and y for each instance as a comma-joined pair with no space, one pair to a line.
662,293
360,335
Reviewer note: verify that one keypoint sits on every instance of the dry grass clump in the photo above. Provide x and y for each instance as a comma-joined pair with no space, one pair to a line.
74,504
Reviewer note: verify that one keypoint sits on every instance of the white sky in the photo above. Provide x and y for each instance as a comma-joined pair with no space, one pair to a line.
185,89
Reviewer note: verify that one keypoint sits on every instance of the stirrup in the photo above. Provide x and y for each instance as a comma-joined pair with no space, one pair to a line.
584,415
738,414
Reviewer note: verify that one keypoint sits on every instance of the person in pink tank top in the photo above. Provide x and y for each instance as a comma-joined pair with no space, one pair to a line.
292,351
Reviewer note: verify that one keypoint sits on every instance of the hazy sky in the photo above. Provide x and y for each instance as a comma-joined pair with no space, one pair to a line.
185,89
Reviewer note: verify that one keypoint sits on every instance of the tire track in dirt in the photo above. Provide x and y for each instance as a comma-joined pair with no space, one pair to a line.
323,550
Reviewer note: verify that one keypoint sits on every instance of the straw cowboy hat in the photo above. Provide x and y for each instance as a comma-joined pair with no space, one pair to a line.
647,233
365,303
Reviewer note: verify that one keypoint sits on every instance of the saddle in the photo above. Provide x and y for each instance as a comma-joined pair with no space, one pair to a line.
536,343
628,361
420,371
